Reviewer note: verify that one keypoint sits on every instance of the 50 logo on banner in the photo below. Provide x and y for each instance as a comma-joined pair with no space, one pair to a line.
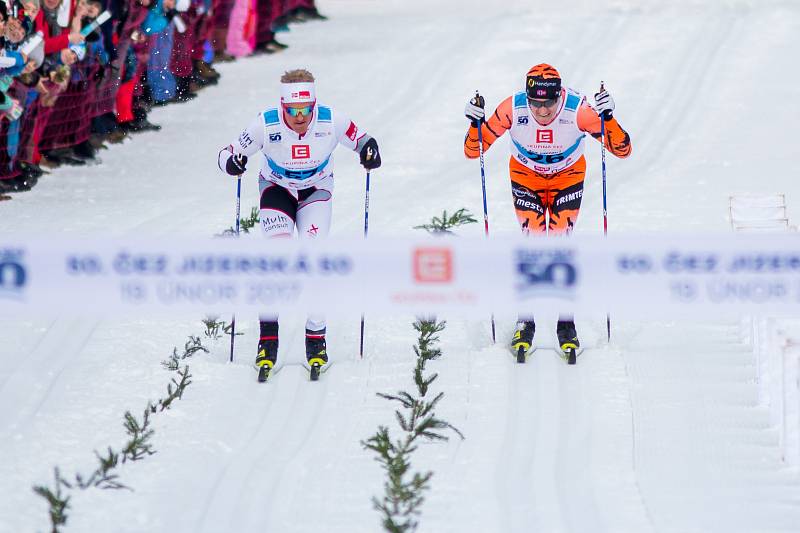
545,273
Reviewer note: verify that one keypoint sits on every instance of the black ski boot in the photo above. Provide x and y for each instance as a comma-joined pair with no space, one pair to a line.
523,339
568,340
267,355
316,353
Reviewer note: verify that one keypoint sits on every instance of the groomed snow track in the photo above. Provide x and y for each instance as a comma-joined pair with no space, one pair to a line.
661,431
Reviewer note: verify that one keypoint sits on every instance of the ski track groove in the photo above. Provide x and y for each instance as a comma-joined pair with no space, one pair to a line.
550,515
224,485
576,495
424,88
515,464
697,74
549,438
22,360
216,486
301,474
231,485
302,419
33,381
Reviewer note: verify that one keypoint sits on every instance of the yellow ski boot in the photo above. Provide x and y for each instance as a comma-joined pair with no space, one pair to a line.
267,355
522,342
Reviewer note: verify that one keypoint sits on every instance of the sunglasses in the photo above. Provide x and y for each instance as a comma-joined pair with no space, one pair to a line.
294,111
536,104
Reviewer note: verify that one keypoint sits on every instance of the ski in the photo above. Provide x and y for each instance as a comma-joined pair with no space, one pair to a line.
522,352
263,373
316,369
569,354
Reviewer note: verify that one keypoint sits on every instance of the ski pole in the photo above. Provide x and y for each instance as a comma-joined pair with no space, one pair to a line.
483,186
238,212
605,205
366,228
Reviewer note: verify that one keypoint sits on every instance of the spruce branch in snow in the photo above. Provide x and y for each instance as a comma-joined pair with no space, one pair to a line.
245,224
190,347
403,490
213,328
102,477
174,361
174,394
139,446
426,351
402,499
216,329
58,502
443,224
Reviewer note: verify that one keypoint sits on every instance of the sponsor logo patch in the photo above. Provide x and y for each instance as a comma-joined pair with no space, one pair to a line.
544,136
433,265
301,151
245,140
352,131
569,197
276,223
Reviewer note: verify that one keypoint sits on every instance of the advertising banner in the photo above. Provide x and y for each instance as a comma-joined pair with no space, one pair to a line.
637,276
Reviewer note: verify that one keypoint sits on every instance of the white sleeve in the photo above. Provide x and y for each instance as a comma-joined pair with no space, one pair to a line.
250,141
347,133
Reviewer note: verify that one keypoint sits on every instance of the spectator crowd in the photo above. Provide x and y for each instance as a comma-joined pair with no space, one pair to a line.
76,74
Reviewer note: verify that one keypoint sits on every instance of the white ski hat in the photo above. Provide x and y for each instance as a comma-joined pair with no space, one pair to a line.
298,93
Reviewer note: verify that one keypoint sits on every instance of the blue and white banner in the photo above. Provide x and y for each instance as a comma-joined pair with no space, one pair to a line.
636,276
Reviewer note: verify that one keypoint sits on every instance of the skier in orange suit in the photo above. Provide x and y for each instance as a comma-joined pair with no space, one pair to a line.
547,124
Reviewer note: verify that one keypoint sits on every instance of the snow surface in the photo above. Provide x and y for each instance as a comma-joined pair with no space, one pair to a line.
664,430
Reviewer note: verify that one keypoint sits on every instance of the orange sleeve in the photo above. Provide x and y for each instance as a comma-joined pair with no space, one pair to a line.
618,142
491,129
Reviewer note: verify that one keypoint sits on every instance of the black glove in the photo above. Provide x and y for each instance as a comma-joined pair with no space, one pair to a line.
236,165
370,156
474,110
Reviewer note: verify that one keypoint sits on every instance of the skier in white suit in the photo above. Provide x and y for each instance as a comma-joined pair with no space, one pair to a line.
297,140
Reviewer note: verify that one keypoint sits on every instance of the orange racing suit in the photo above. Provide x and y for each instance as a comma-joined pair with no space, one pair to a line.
547,166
